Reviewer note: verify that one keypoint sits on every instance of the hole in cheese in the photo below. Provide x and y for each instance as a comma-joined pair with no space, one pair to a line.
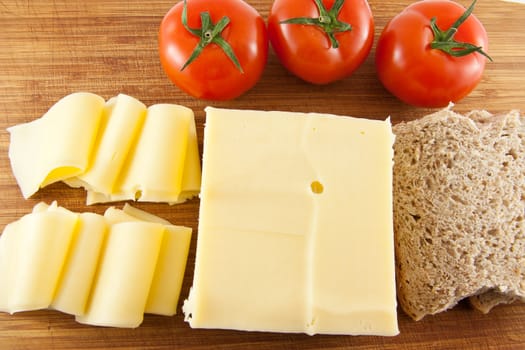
316,187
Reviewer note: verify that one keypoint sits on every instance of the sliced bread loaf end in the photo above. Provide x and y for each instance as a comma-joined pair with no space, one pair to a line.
459,207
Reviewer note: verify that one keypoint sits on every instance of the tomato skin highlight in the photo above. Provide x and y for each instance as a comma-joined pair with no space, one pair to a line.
419,75
305,50
212,75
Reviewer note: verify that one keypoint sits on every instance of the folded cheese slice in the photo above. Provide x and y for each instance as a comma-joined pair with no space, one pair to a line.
123,280
191,177
74,286
155,168
8,249
165,288
106,270
33,257
58,145
118,150
122,120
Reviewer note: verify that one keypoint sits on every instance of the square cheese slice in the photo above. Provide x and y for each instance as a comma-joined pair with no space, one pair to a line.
295,225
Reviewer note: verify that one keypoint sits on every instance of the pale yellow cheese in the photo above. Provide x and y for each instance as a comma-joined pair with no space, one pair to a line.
74,286
166,286
40,243
354,227
248,280
119,150
42,206
136,213
191,177
8,250
56,146
169,273
75,283
121,123
124,277
295,225
106,270
156,165
115,216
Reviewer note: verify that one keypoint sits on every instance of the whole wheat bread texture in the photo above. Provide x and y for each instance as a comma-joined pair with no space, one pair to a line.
459,207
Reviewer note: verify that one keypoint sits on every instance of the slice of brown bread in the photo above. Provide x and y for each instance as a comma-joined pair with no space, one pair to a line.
486,301
459,207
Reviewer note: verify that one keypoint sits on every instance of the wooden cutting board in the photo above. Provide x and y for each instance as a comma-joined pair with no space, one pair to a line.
51,48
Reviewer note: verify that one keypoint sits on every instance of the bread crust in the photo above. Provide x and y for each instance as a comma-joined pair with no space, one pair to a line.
459,207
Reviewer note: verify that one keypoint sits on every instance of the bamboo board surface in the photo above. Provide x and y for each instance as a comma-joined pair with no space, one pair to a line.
51,48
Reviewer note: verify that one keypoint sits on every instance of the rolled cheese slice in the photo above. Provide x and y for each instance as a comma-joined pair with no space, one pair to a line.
75,283
121,123
155,168
191,178
165,289
74,286
119,150
58,145
106,270
37,247
126,270
169,273
8,250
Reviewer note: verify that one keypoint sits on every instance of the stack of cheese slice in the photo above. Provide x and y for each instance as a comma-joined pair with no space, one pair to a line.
117,150
106,270
295,227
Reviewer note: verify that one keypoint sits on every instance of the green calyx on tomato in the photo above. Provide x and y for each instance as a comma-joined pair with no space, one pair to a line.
327,21
444,40
209,33
409,66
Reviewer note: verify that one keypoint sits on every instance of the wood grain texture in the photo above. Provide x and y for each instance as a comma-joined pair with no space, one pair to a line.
51,48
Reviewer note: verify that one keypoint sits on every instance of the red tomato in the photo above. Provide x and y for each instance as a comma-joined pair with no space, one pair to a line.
422,75
213,74
307,50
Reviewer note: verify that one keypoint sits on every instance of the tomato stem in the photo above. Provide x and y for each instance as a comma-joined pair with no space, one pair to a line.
209,33
444,40
327,21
